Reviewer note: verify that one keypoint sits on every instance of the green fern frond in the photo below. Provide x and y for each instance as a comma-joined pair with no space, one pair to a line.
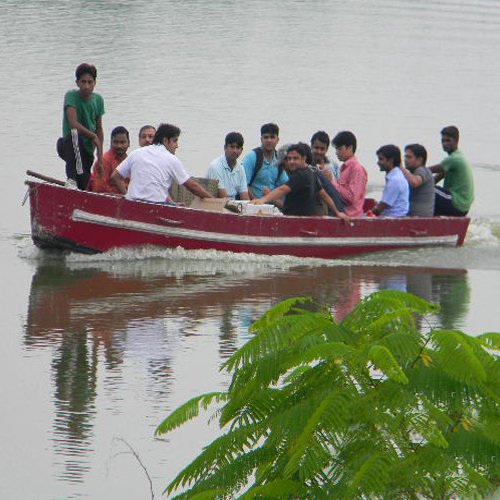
490,340
383,359
280,488
371,476
218,454
278,311
278,335
378,304
188,411
452,353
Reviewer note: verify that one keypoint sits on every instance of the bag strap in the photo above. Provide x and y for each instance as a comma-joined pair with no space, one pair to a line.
259,161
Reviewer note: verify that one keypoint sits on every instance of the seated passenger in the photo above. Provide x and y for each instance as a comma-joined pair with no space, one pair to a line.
302,189
353,178
229,171
394,202
110,160
261,169
146,135
151,169
320,142
421,181
457,194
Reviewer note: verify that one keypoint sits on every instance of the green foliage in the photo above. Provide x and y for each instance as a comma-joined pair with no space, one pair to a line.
368,408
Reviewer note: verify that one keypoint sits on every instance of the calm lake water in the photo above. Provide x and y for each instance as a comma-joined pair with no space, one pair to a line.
97,349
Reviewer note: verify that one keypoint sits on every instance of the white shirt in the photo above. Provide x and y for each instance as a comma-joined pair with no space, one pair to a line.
151,170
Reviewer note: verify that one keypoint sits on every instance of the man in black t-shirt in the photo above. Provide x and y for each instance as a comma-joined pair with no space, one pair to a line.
302,189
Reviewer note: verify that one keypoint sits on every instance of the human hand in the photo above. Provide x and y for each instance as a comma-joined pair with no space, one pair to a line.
265,190
347,220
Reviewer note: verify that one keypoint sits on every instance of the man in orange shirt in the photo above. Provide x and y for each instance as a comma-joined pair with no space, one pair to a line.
120,142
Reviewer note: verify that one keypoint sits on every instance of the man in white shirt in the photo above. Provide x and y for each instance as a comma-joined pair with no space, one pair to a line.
151,169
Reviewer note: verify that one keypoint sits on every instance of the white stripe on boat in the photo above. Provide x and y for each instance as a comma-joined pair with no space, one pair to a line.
252,240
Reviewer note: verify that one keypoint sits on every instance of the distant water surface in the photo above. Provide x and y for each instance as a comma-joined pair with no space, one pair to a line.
96,350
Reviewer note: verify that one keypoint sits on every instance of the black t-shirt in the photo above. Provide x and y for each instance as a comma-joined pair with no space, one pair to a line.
303,197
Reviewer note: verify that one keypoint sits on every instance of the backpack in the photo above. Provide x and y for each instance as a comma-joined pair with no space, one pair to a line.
259,153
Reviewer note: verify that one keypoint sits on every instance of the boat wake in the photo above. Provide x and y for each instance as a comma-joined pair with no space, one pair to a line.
481,245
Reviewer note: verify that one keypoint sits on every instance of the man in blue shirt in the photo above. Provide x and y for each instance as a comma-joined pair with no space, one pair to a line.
262,171
395,198
228,171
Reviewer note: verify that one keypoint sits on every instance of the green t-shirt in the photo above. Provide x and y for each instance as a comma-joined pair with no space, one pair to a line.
86,111
458,180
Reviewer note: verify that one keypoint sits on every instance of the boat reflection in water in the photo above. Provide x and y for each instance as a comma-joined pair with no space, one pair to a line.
116,328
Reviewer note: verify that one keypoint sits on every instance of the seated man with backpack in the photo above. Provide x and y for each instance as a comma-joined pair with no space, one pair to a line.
260,164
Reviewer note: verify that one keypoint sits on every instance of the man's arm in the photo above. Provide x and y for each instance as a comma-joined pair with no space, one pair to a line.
273,195
196,189
331,205
379,207
244,195
119,181
221,193
413,180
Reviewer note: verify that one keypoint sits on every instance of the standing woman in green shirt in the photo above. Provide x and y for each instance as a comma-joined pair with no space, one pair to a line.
82,127
457,194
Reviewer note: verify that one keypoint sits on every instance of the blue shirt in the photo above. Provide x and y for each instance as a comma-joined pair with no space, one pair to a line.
233,181
396,194
267,176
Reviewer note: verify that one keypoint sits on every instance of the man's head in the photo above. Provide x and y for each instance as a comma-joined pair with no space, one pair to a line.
415,156
233,146
269,136
345,145
120,140
146,135
320,141
449,138
168,136
296,157
86,75
389,156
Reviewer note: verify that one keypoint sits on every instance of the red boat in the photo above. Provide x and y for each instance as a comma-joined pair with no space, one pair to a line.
92,222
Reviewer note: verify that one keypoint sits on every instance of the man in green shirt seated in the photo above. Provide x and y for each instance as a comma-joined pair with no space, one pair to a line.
457,194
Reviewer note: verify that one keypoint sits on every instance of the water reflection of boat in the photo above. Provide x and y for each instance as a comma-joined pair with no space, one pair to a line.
95,320
93,222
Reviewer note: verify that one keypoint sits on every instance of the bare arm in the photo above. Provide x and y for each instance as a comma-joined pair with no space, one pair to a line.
379,207
273,195
244,196
331,205
119,181
413,180
221,193
196,189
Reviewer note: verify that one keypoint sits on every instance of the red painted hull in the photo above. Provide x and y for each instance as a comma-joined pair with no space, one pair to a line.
92,223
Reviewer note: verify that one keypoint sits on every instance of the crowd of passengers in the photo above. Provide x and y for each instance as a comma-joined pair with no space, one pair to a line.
298,178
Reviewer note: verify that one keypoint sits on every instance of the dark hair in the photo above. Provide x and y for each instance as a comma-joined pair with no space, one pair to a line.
299,148
120,130
391,152
166,131
84,69
322,137
234,138
345,138
451,131
419,151
146,127
307,149
269,128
